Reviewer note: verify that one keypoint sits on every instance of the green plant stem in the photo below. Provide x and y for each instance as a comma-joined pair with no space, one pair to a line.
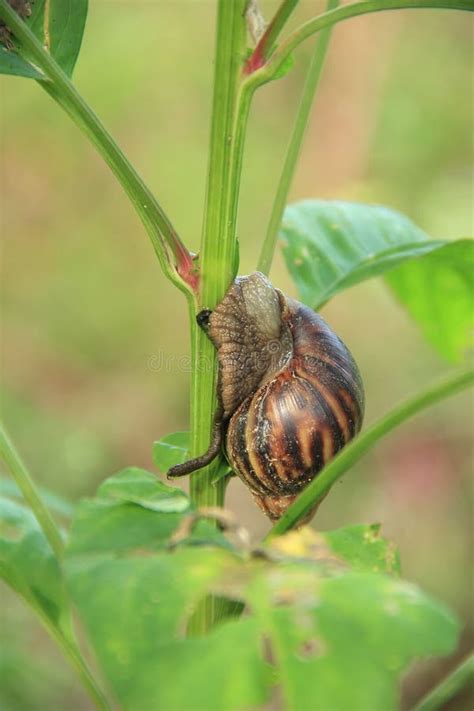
462,677
218,249
67,644
27,487
23,480
218,238
60,88
294,147
265,45
328,19
319,487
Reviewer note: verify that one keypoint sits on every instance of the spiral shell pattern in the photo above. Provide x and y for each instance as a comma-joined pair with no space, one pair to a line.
284,433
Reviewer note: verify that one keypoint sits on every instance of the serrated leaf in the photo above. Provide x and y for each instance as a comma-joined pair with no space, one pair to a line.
130,515
59,26
331,245
343,642
27,562
170,450
364,548
339,637
360,546
438,291
143,488
146,657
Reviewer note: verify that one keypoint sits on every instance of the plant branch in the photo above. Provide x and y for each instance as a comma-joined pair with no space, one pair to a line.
328,19
156,222
462,677
65,641
27,487
319,487
294,147
266,44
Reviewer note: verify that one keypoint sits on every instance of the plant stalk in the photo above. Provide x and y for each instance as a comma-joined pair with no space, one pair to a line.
265,45
294,146
25,483
461,678
67,644
218,252
338,466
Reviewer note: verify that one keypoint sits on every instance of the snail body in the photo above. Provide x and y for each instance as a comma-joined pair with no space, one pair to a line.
290,394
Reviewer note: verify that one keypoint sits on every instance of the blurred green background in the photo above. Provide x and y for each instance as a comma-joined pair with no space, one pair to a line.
95,340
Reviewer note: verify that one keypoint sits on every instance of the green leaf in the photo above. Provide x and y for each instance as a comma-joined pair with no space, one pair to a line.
11,63
364,548
361,546
438,291
223,672
146,657
140,487
170,450
311,597
330,245
342,642
27,562
223,472
59,26
134,511
174,449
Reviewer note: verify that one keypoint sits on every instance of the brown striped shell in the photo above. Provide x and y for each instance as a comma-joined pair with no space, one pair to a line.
289,388
290,394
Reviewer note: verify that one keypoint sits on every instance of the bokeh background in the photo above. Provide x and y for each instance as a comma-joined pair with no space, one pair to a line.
87,315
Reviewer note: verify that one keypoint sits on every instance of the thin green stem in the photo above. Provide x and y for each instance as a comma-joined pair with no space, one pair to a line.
65,641
20,474
461,678
60,88
265,45
294,147
27,487
328,19
319,487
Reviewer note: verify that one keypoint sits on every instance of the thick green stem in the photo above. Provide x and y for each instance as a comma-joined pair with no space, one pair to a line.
218,249
294,147
461,678
60,88
218,245
27,487
319,487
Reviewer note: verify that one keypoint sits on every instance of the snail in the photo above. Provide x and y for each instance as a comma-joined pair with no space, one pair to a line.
290,395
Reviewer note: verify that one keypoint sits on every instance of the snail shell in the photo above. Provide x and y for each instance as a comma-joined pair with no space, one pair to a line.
290,393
